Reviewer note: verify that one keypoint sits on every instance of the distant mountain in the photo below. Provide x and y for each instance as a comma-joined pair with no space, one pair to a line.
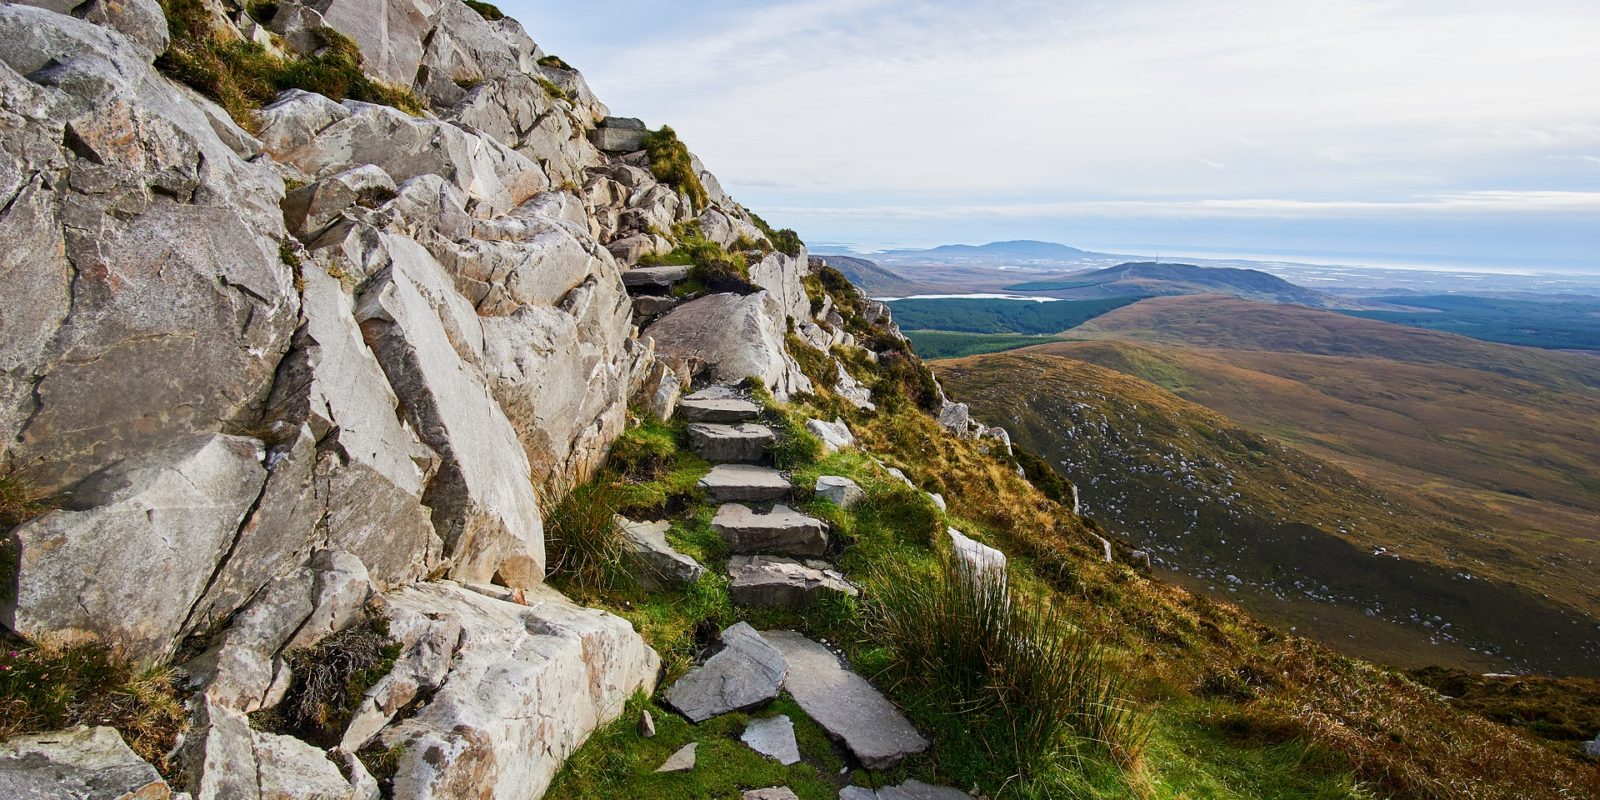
1021,248
873,279
1154,279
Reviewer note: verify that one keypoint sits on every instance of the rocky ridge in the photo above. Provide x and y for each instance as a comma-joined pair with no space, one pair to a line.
329,363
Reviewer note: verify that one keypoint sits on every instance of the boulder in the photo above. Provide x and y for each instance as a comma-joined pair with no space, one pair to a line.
142,21
770,793
783,530
746,673
731,483
223,758
482,495
662,566
853,391
844,704
956,418
728,338
771,581
82,763
310,209
617,140
744,441
660,391
840,491
654,276
782,275
834,435
982,559
136,242
526,686
772,737
135,547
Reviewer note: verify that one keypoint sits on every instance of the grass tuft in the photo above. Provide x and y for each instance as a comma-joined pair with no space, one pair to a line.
488,11
44,690
584,547
1010,670
671,164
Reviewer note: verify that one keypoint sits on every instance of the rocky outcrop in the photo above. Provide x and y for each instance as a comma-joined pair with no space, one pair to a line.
726,338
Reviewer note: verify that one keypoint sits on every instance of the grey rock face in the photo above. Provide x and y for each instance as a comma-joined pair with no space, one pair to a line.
745,441
834,435
147,243
732,483
617,140
840,491
783,582
747,672
718,410
78,764
730,337
224,758
662,565
783,530
526,686
773,737
844,704
125,562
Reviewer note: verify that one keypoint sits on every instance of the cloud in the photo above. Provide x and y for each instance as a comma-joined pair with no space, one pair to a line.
1449,204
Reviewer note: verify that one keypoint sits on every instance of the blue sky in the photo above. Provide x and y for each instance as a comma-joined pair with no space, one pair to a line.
1387,131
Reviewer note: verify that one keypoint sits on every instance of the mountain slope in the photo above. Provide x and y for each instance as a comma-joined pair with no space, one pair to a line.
1305,542
1149,279
1027,249
873,279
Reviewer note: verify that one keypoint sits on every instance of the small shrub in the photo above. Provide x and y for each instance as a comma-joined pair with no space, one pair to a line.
645,452
784,239
1011,671
1043,476
331,677
584,548
50,689
555,92
670,163
555,62
487,11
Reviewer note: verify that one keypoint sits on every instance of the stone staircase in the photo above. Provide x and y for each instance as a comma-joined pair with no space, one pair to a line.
778,550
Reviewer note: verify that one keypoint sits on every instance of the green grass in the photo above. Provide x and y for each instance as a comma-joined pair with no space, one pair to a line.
488,11
973,315
670,163
934,345
784,239
583,544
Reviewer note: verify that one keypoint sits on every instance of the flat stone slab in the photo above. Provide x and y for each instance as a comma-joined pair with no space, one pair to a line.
910,790
845,705
662,564
681,761
743,441
839,490
76,763
773,737
783,530
774,581
731,483
724,410
771,793
747,672
654,276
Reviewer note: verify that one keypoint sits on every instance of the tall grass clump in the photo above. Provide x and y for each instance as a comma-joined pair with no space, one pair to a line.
784,239
584,545
1007,674
330,679
671,164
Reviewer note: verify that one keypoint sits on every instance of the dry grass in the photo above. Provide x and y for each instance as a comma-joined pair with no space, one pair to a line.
331,677
45,690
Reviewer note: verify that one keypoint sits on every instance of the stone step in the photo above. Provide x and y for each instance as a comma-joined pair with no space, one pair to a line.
845,704
717,409
910,790
662,565
747,672
783,530
744,441
653,277
731,483
774,581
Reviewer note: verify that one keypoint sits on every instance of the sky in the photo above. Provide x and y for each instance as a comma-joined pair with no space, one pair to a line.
1366,131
